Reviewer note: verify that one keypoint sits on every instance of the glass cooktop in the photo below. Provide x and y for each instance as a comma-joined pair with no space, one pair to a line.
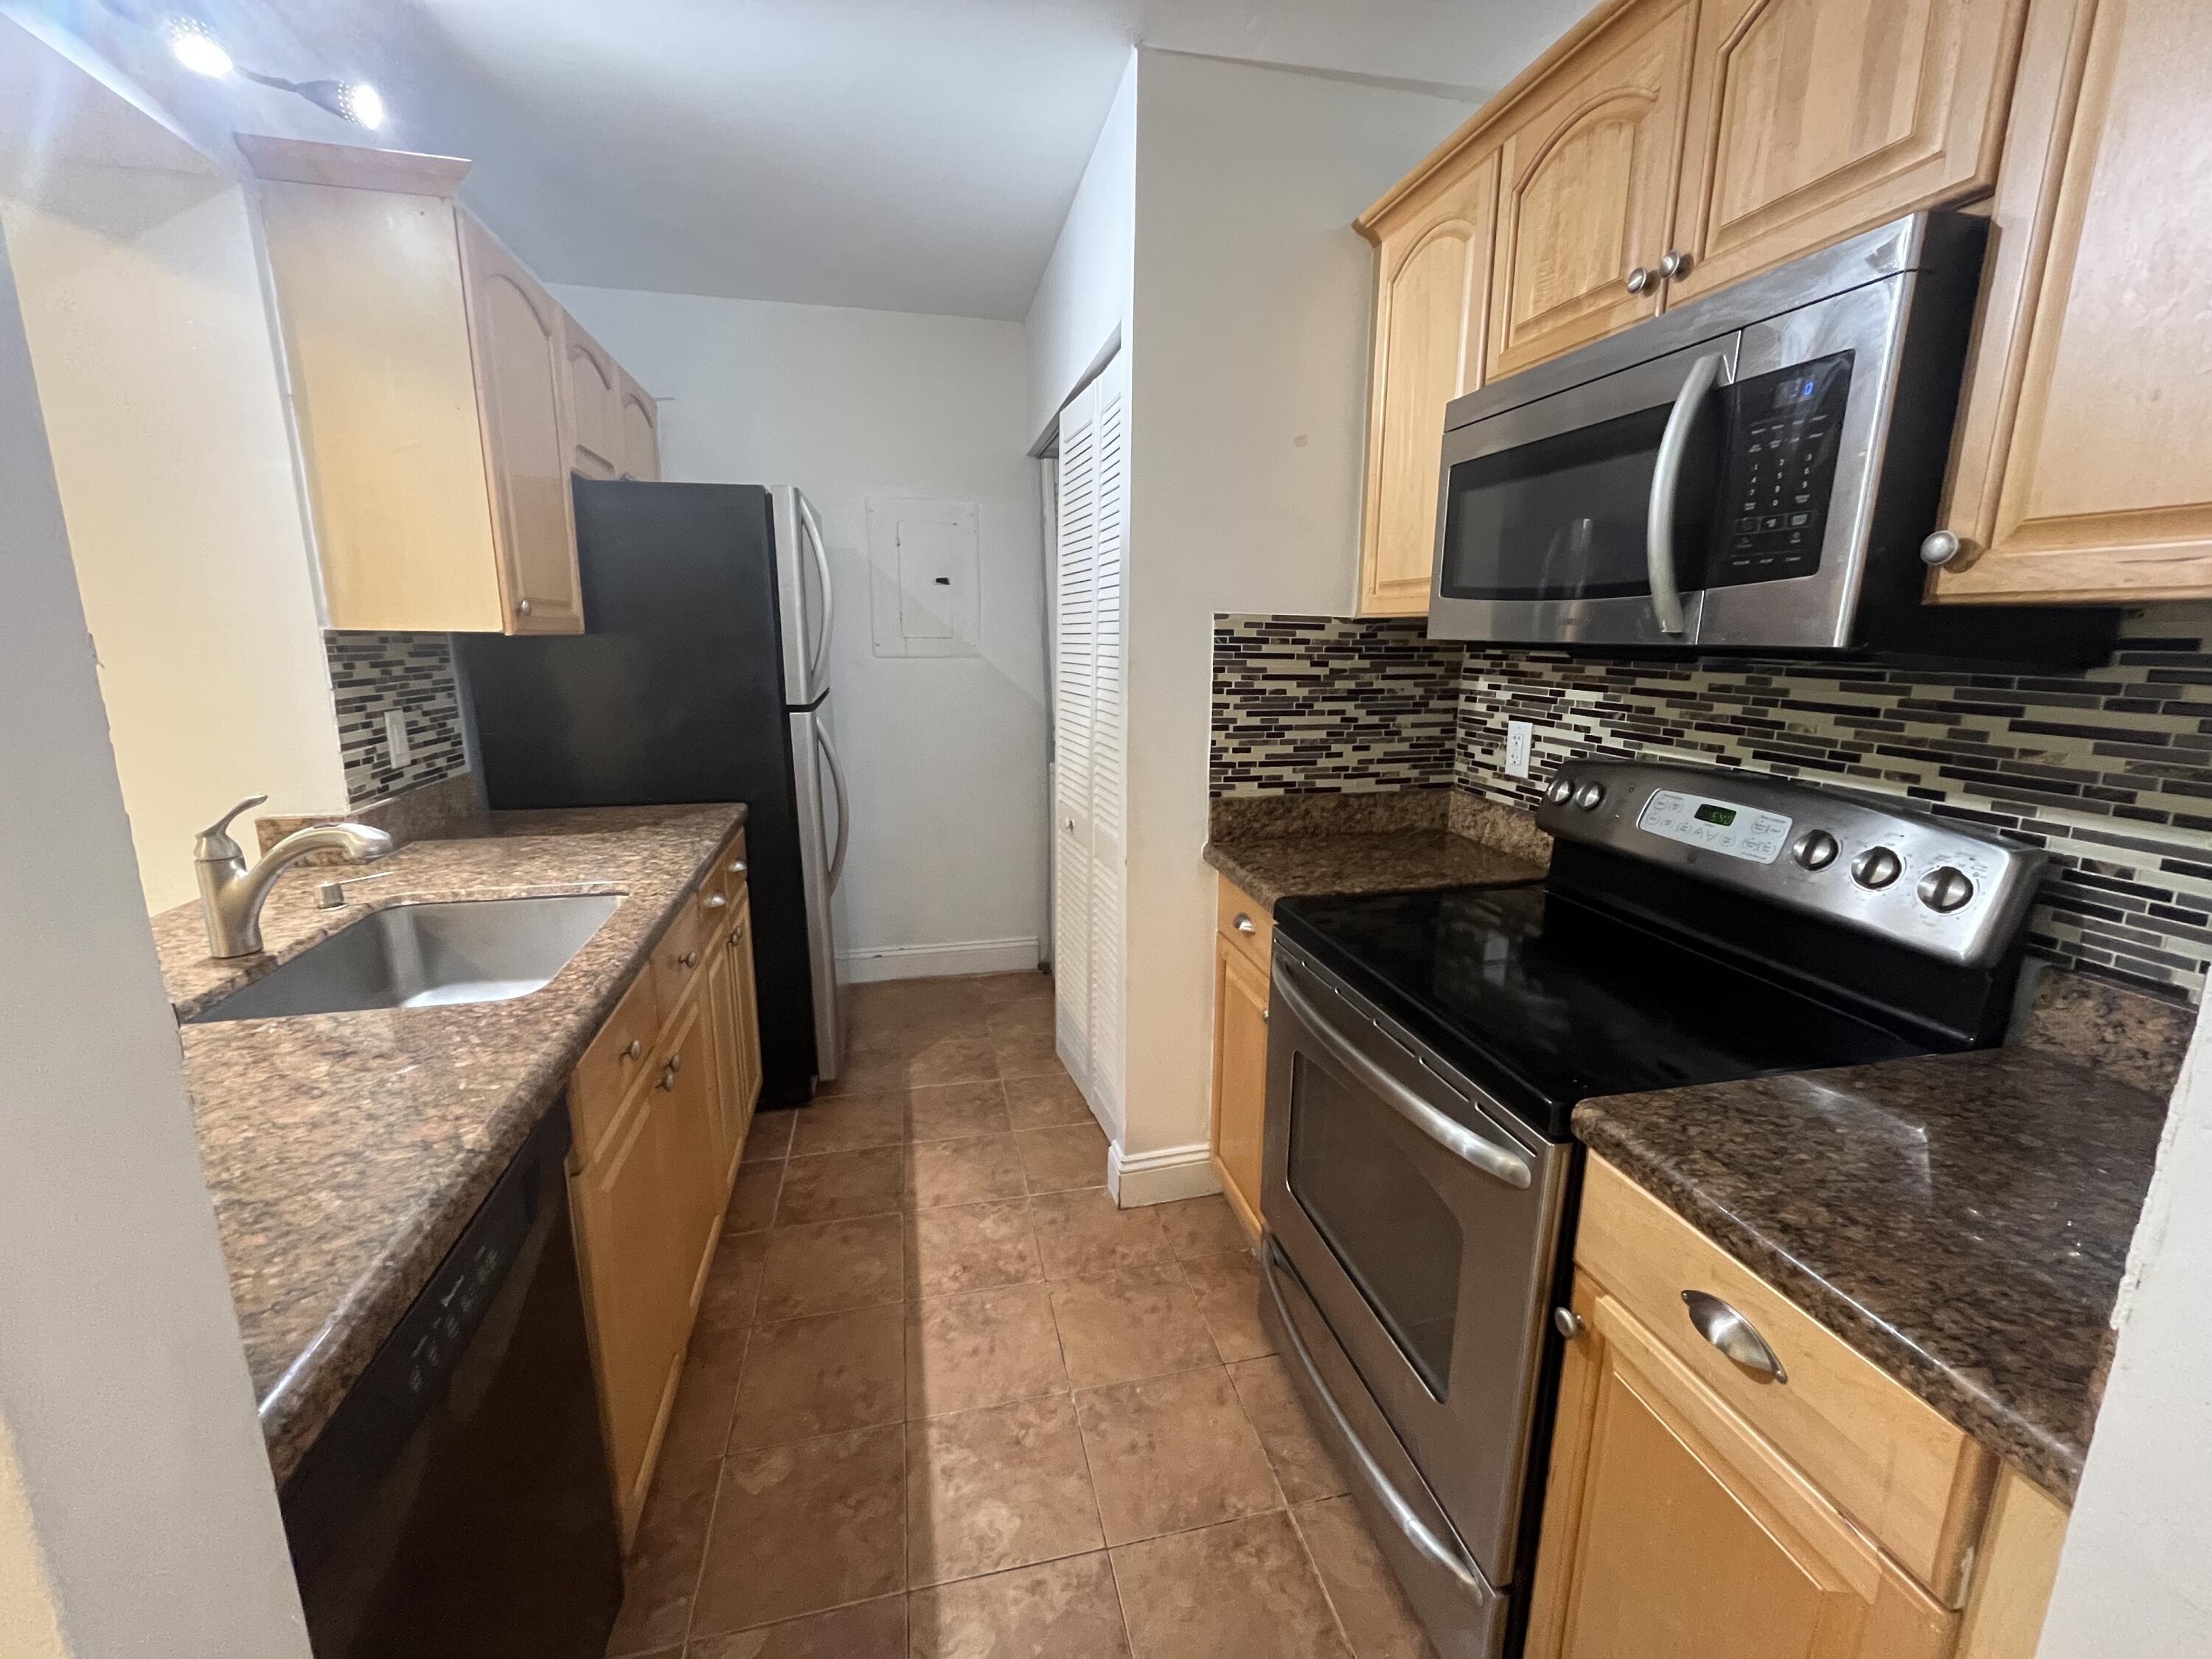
1544,1000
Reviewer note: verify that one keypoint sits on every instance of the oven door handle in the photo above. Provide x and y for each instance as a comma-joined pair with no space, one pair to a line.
1666,483
1454,1138
1402,1515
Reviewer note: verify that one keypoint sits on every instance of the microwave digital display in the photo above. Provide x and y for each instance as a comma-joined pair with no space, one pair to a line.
1783,433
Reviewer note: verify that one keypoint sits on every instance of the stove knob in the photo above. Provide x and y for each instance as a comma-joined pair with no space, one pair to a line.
1562,787
1816,849
1589,796
1945,890
1876,868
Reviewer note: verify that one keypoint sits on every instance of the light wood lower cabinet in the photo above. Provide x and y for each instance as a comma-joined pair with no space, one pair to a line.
1242,949
2081,471
1699,1508
661,1115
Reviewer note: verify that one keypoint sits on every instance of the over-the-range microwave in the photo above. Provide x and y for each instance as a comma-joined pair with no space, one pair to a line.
1756,470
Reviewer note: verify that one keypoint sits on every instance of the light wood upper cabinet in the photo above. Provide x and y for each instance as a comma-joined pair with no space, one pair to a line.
639,420
2080,471
595,404
1587,187
515,328
1432,288
1810,120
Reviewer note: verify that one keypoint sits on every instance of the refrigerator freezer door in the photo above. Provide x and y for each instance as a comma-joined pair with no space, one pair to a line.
820,796
804,594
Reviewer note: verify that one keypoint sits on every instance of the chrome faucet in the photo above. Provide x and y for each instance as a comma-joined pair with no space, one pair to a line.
231,895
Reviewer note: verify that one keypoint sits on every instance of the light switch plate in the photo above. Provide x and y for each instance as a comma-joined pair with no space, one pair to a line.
395,737
1520,735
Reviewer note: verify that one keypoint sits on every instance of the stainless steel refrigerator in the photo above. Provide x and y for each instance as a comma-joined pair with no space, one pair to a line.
702,675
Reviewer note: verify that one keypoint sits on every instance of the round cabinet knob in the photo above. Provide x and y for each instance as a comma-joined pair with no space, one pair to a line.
1676,263
689,958
1816,849
717,901
1589,796
1567,1323
1638,280
636,1049
522,607
1244,924
1940,548
1561,789
1876,868
736,866
1946,890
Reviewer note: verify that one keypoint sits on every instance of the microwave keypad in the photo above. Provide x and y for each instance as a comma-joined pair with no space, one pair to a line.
1783,429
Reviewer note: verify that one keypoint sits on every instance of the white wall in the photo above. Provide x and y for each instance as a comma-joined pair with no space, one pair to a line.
124,1390
1249,342
2136,1575
157,372
945,756
1082,301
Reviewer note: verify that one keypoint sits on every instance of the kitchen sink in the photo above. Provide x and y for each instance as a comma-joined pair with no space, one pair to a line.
425,956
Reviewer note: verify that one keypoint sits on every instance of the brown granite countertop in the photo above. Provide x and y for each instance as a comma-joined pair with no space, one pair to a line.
345,1152
1393,862
1962,1220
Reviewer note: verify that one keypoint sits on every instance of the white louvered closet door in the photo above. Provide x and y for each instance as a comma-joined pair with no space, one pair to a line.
1091,725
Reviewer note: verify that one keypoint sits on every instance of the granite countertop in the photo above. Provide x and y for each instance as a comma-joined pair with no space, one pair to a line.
1962,1220
1392,862
346,1153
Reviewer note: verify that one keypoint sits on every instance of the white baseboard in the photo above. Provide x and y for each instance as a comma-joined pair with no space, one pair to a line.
1160,1177
975,956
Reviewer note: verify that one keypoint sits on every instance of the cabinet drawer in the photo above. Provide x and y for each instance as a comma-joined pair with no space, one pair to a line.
1245,922
679,957
616,1059
1913,1481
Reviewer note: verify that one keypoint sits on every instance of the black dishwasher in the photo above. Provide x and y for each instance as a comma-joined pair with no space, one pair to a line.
459,1502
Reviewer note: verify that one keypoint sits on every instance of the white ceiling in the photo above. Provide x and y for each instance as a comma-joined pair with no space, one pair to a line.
907,155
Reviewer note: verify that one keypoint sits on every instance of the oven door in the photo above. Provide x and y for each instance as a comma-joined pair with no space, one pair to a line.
1422,1221
1544,509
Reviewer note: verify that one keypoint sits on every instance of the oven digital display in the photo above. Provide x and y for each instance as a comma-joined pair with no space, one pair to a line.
1717,826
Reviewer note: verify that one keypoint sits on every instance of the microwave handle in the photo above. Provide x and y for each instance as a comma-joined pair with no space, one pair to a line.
1665,480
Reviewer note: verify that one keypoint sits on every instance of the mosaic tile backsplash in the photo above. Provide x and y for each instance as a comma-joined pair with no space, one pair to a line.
1316,705
372,674
2111,769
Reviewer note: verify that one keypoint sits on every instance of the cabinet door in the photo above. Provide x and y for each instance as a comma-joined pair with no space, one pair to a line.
1431,299
1813,119
626,1237
744,996
1240,1078
1673,1531
689,1081
514,330
595,409
2081,471
721,1012
1586,191
640,432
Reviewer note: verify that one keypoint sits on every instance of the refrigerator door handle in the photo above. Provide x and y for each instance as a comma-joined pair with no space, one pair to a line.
820,658
844,810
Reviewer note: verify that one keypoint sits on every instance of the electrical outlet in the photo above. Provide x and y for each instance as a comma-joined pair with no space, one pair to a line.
395,737
1520,736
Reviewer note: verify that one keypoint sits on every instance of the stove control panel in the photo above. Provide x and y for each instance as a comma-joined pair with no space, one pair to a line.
1955,893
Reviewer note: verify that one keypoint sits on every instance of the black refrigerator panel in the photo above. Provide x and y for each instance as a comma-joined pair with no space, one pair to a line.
673,694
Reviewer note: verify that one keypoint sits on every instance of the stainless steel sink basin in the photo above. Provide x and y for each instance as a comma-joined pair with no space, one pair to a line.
424,956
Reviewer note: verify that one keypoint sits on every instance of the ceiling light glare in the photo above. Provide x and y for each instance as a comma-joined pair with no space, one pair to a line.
364,105
194,45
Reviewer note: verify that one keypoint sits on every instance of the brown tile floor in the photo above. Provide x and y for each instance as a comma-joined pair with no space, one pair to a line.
945,1401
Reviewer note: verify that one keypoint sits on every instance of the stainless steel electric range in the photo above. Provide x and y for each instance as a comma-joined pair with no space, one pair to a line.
1425,1053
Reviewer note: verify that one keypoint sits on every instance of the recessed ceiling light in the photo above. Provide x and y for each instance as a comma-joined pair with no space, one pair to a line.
194,45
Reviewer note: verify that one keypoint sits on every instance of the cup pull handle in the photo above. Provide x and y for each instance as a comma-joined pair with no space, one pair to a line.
1733,1335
